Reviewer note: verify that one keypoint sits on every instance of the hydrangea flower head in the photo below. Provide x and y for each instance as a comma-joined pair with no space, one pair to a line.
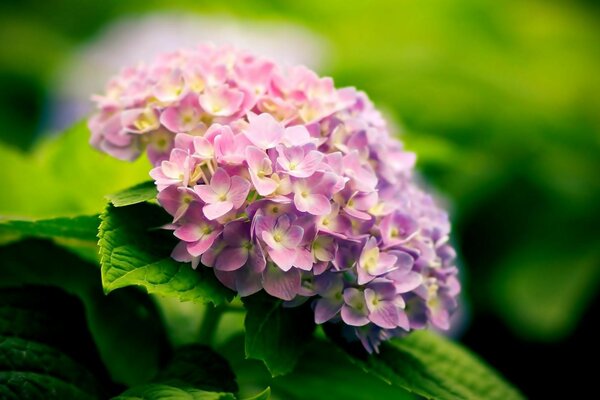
280,182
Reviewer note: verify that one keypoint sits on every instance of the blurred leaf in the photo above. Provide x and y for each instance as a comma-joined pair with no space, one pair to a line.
70,177
78,234
125,325
83,228
324,372
274,334
137,194
33,352
135,252
542,291
433,367
195,372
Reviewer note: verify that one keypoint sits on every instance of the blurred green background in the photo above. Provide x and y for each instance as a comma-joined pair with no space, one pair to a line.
500,100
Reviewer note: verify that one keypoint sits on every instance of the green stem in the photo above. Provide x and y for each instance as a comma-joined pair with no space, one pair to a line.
210,322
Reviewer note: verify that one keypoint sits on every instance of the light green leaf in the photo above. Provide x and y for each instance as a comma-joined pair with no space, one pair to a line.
40,355
137,194
63,175
125,325
161,391
274,334
134,251
433,367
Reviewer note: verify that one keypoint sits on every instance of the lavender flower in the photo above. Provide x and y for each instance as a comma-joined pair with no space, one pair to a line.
274,178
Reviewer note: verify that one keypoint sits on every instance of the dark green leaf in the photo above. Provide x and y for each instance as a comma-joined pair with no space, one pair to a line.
134,251
200,367
264,395
195,372
46,351
137,194
433,367
324,372
274,334
125,325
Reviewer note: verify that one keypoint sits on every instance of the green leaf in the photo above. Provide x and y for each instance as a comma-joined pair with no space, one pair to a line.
264,395
83,228
134,251
274,334
125,325
542,292
71,178
194,372
433,367
78,234
324,372
46,351
156,391
200,367
137,194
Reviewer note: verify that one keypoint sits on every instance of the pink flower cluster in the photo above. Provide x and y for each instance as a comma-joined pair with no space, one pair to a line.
281,182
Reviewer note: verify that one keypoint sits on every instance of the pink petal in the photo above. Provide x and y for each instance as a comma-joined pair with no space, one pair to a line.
264,131
221,101
281,284
309,164
385,315
353,317
264,186
304,260
206,193
325,309
218,209
232,258
255,157
297,135
180,253
239,190
220,181
293,237
284,258
198,248
188,232
315,204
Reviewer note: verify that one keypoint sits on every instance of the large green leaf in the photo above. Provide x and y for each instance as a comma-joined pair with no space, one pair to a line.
63,176
134,251
274,334
78,234
433,367
137,194
46,351
125,325
324,372
195,373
